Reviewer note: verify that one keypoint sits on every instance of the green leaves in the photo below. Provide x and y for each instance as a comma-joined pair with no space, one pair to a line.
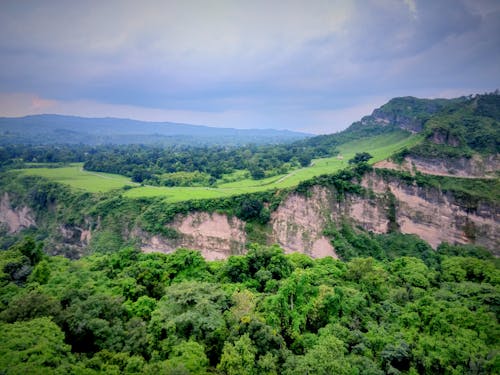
35,346
190,310
238,358
260,313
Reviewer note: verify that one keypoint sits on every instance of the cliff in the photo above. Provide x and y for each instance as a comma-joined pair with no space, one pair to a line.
476,166
299,222
385,201
216,235
14,219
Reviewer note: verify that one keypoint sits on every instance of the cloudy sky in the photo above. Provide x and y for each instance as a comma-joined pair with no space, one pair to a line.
310,65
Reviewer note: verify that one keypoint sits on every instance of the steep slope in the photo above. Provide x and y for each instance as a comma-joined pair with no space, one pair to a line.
389,202
436,209
451,128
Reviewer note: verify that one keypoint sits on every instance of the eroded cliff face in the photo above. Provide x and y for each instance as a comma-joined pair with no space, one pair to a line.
15,219
298,224
64,239
437,217
70,241
474,167
217,236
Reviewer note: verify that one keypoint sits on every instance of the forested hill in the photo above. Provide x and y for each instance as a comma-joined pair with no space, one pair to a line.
453,127
56,129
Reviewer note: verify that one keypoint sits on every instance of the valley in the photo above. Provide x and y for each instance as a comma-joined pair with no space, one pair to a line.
356,243
250,187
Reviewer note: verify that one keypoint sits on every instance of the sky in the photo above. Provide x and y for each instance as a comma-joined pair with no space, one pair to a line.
313,66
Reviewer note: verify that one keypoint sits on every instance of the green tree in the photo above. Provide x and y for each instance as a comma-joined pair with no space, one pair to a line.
29,305
189,356
360,157
238,358
324,358
190,310
250,209
35,346
289,307
96,323
411,271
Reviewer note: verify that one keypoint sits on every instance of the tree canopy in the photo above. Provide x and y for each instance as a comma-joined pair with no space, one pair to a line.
260,313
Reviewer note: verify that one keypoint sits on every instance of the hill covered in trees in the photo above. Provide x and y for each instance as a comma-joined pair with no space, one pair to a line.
454,127
57,129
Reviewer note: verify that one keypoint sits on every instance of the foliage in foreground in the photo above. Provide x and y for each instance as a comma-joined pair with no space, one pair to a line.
262,313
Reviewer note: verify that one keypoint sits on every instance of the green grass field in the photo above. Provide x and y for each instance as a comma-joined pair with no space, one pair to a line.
381,147
77,178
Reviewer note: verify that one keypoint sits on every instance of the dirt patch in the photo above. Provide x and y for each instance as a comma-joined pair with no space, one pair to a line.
323,248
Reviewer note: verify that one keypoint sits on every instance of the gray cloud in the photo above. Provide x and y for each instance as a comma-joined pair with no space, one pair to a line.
283,64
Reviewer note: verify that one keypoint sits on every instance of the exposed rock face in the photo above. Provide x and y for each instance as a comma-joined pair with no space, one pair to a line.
73,234
298,224
404,122
15,219
474,167
217,236
444,138
70,241
436,217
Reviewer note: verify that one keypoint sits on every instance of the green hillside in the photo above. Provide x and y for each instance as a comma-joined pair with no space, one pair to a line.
391,304
380,147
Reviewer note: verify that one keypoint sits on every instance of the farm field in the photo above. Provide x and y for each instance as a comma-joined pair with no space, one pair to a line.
380,147
74,176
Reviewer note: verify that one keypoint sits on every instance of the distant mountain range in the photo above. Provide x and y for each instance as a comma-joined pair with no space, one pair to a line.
57,129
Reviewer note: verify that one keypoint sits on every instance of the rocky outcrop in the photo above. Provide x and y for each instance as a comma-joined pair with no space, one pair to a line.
75,235
217,236
70,241
437,217
15,218
443,137
474,167
299,222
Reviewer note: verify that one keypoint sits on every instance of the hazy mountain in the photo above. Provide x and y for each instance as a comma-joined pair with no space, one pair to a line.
49,129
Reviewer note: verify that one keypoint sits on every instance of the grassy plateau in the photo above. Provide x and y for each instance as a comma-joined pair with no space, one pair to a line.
380,147
75,176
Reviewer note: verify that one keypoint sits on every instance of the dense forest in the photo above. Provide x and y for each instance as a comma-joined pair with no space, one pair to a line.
260,313
161,165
